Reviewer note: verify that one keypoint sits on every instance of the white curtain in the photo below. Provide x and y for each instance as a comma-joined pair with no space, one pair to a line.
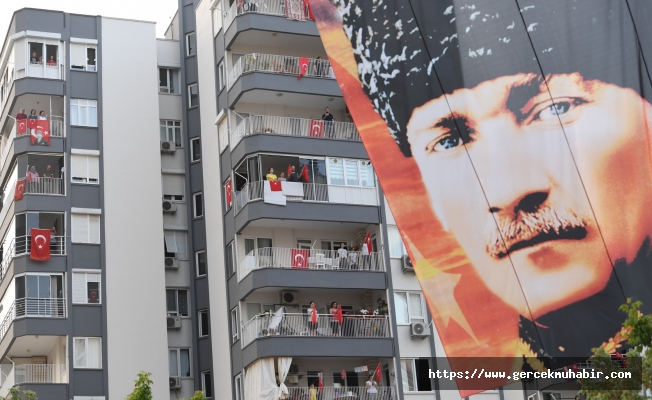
283,368
260,381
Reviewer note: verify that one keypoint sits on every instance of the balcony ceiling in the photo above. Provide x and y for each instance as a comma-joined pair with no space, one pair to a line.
293,99
37,347
311,45
349,227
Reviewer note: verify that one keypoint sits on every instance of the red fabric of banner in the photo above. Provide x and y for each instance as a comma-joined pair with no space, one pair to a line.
21,127
275,186
299,258
303,66
20,189
316,128
304,174
41,134
229,193
39,244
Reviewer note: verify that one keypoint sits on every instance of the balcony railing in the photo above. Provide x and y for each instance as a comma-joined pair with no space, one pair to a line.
57,129
50,186
312,259
344,393
40,373
21,245
33,307
312,192
268,7
293,127
281,65
354,326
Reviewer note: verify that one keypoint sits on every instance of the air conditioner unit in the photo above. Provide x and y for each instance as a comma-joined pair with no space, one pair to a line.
287,297
419,330
169,207
293,379
406,263
175,383
174,322
168,147
171,263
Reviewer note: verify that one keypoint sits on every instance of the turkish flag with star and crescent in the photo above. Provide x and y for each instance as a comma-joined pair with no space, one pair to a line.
20,189
275,186
21,127
31,123
228,188
303,67
42,127
379,373
299,258
316,128
39,244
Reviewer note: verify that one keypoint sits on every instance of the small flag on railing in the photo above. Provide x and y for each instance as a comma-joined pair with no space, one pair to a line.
338,315
275,186
228,188
304,174
300,258
39,244
20,189
303,67
41,134
379,373
21,127
316,128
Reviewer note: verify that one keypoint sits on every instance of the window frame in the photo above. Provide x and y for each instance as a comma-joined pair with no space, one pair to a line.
199,275
170,125
199,195
88,222
89,105
208,374
176,254
237,381
74,351
85,67
87,272
218,19
344,162
201,314
176,313
87,180
415,375
235,330
195,157
221,76
188,53
411,318
230,257
169,74
390,238
190,105
178,351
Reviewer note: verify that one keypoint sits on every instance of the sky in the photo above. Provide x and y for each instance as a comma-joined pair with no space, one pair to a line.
159,11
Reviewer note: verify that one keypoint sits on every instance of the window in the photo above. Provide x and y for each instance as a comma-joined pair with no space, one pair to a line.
193,95
313,377
195,150
415,374
207,383
221,77
409,307
234,324
217,17
238,387
177,302
396,246
223,133
168,80
197,205
229,258
85,168
82,57
83,112
85,228
171,132
191,44
203,323
350,172
88,352
173,187
86,287
179,362
200,262
176,244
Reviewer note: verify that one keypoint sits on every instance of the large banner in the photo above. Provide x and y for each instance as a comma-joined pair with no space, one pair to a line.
512,140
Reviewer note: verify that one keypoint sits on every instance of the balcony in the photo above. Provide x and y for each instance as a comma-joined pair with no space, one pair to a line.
33,307
47,186
21,245
266,7
289,126
57,130
344,393
280,65
308,259
293,325
313,193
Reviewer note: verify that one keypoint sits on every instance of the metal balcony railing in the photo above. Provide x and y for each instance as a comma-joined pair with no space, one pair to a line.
313,259
312,192
57,129
40,373
276,64
21,245
36,307
293,127
51,186
298,9
354,326
344,393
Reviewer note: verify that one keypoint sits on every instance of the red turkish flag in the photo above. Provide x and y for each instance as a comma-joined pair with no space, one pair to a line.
320,382
314,316
379,373
338,315
20,189
31,123
306,3
304,174
367,241
299,258
303,66
228,188
42,127
343,373
39,244
275,186
21,127
289,170
316,128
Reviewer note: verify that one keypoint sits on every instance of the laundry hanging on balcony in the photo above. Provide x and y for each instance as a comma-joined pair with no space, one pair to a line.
276,192
39,244
295,9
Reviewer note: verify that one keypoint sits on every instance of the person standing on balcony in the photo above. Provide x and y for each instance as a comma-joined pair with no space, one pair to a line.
52,62
327,117
21,115
354,257
34,59
270,175
318,66
313,392
365,255
335,325
53,239
372,392
32,114
342,255
293,177
32,175
42,116
48,172
312,318
282,177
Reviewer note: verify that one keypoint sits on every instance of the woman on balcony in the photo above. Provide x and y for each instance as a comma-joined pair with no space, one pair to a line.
335,325
313,321
42,116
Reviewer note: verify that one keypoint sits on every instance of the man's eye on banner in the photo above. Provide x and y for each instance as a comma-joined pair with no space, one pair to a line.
526,130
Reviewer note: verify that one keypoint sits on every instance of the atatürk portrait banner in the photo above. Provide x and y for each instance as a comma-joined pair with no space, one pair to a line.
512,141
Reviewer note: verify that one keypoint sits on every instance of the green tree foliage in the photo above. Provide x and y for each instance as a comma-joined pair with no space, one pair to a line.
14,394
143,387
638,328
199,395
